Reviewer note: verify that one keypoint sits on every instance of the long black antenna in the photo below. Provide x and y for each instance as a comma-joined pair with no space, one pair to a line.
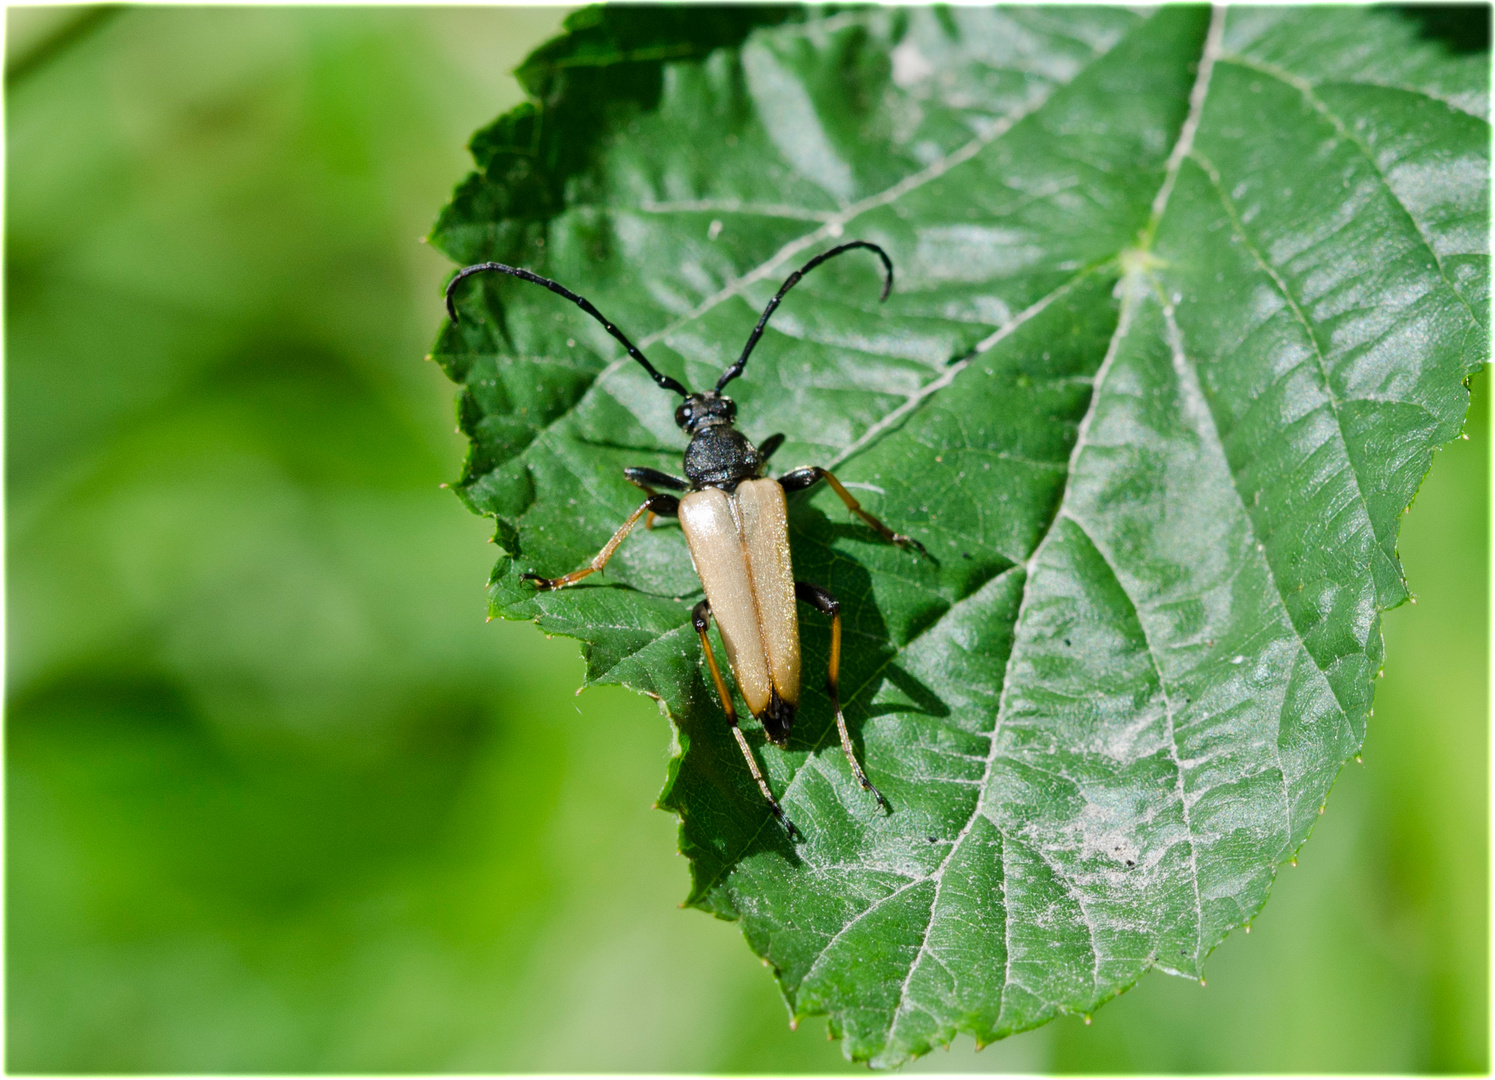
887,287
662,380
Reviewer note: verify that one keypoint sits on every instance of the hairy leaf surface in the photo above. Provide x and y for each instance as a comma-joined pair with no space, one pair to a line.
1184,305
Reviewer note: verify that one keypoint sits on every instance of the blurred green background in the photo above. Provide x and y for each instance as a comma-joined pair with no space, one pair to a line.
279,800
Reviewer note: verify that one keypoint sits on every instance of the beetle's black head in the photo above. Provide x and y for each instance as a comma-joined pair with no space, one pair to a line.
698,411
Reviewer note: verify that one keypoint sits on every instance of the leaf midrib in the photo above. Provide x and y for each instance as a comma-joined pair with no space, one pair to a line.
1175,161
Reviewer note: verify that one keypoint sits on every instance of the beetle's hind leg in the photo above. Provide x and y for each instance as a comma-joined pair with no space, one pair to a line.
700,617
667,505
827,604
810,475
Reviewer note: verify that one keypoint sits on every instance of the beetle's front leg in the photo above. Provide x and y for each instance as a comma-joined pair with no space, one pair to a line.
810,475
700,617
641,476
827,604
667,505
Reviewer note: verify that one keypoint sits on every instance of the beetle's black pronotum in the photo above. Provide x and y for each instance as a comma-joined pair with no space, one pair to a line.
736,528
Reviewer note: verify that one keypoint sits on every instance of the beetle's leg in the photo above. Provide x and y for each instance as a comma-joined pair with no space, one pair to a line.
810,475
827,604
643,477
769,445
648,479
700,617
667,505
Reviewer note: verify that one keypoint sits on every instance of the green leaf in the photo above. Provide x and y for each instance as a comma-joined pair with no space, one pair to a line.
1184,305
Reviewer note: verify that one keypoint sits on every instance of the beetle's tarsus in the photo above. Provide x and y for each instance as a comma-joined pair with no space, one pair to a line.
851,758
664,505
700,618
794,834
810,475
909,542
827,604
870,788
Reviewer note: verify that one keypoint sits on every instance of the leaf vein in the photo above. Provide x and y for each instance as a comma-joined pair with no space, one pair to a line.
986,344
1305,88
1174,755
1323,368
1188,384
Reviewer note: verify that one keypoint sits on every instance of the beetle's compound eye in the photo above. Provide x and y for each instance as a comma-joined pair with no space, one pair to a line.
725,408
684,414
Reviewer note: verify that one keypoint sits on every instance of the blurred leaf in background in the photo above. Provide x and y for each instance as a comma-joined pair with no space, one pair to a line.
277,800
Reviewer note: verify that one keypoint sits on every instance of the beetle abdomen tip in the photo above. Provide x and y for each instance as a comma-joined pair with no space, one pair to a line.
778,719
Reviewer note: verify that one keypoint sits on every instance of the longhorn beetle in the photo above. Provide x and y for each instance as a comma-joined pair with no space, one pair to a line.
736,528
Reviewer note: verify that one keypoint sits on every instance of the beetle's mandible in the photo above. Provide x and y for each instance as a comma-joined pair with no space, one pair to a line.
736,528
